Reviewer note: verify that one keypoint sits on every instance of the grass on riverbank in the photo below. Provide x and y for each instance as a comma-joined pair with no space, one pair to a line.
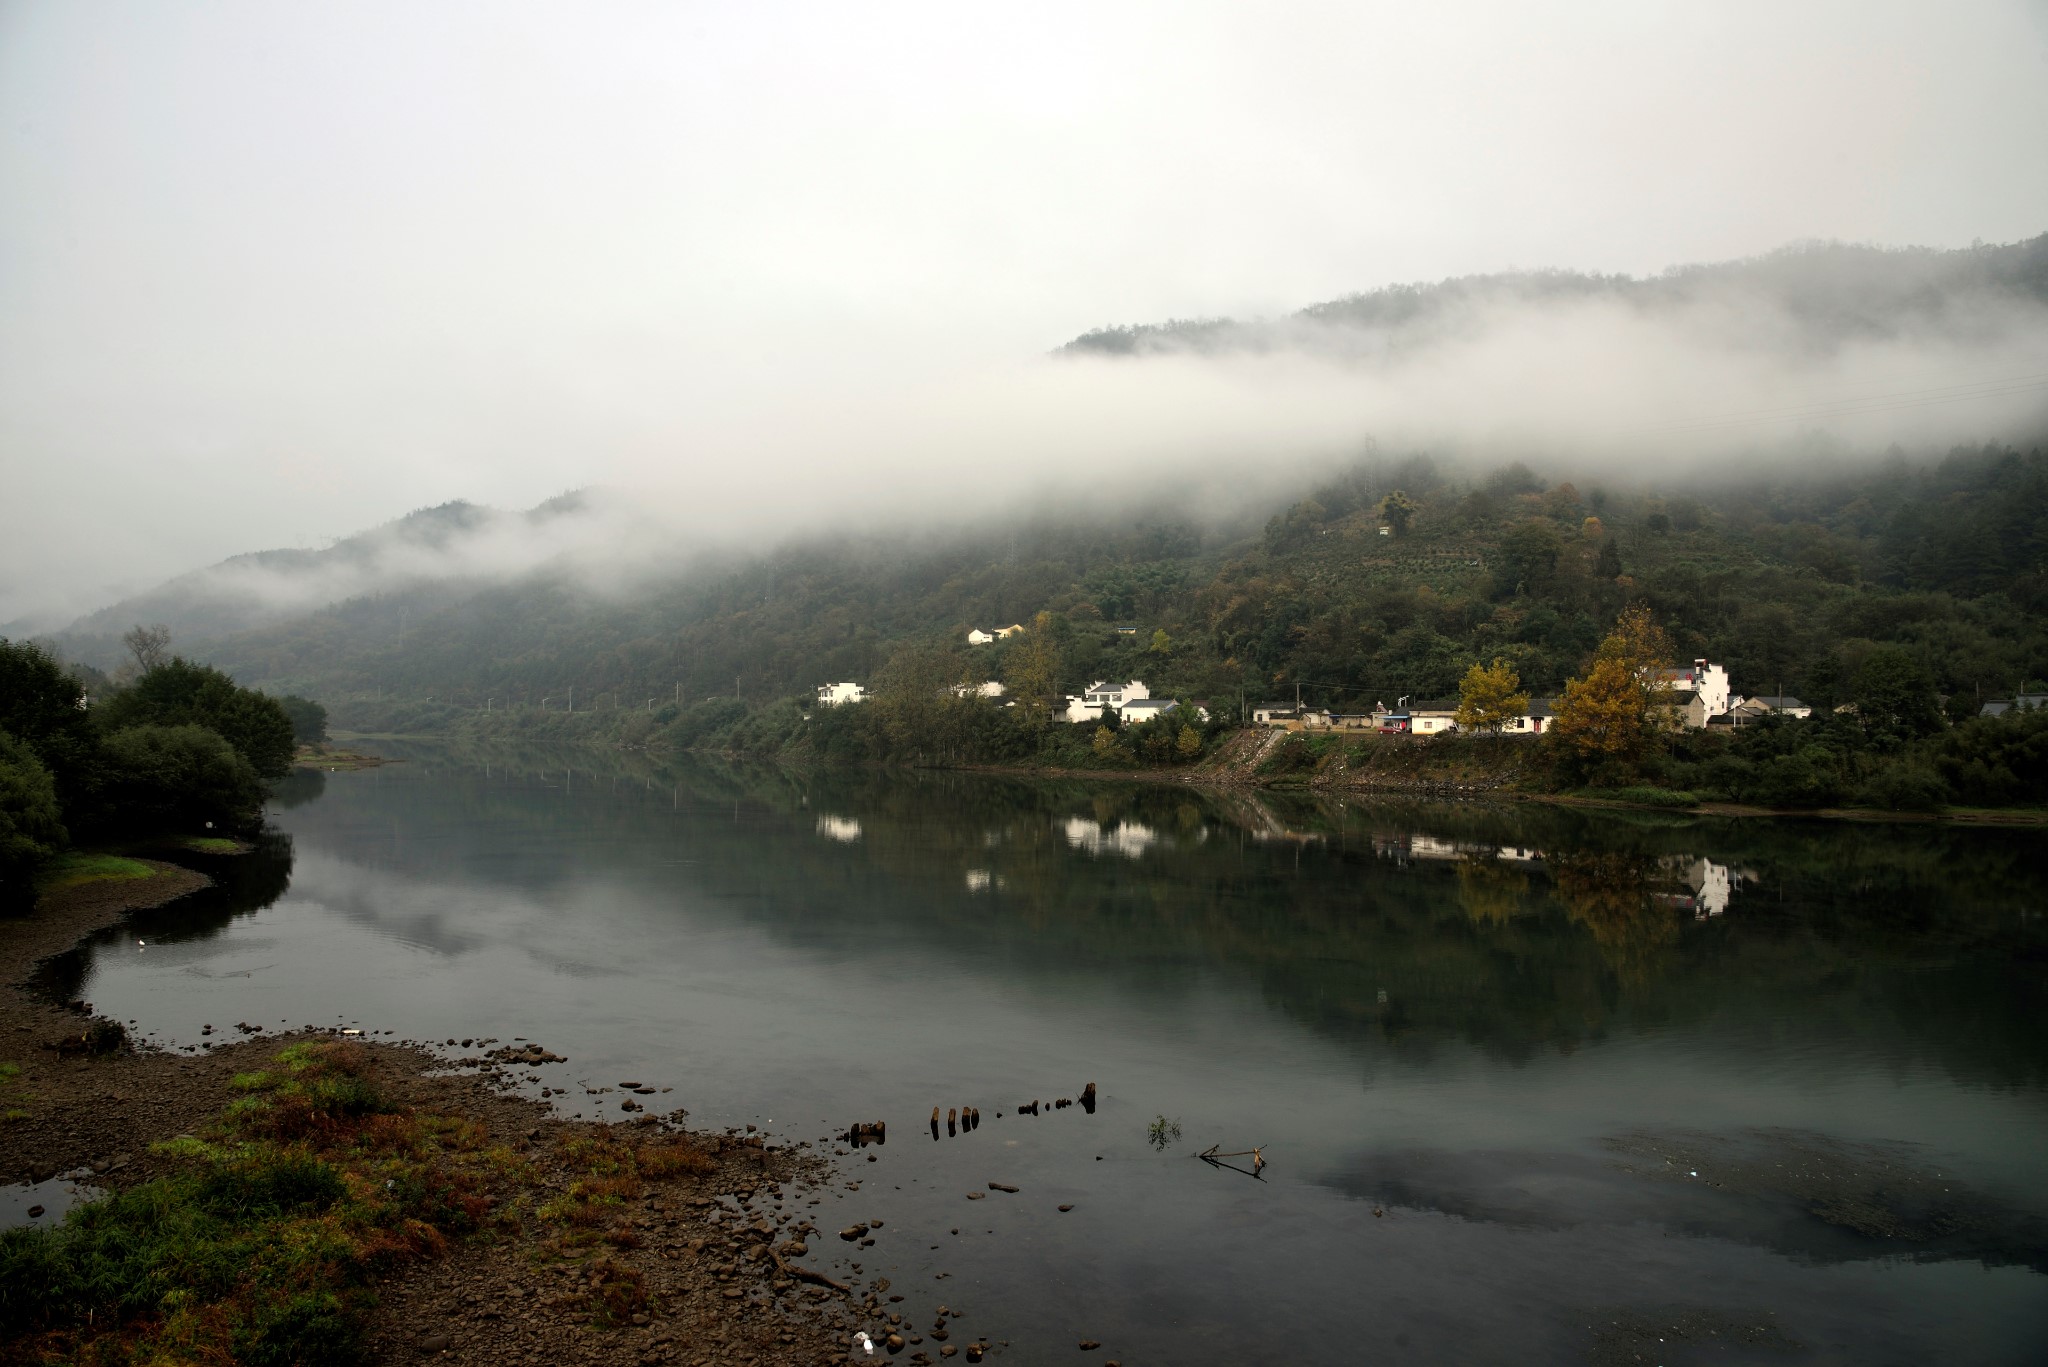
70,870
262,1248
213,844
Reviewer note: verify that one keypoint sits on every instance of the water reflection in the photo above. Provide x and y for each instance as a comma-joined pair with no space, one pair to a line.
1411,1010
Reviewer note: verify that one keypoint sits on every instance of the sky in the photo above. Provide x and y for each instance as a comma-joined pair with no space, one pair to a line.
271,274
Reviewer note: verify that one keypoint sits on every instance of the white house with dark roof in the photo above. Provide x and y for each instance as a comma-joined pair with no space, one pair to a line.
1088,705
1693,692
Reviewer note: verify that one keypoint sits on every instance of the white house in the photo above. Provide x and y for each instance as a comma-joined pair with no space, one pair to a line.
1428,718
1745,710
832,694
978,637
991,689
1088,706
1535,721
1699,689
1275,713
1145,709
1005,633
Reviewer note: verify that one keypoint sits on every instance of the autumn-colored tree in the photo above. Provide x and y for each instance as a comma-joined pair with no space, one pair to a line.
1189,743
1607,717
1604,716
1637,642
1490,697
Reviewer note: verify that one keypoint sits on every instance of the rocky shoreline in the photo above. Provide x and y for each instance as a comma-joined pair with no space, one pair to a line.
693,1259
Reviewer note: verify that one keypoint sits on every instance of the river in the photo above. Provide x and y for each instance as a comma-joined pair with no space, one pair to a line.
1529,1085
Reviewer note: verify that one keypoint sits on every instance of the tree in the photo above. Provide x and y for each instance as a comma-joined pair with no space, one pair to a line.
179,693
1605,717
1162,644
147,644
1032,669
1608,564
169,777
1490,697
1894,697
43,708
1528,559
31,829
1637,642
308,718
1397,510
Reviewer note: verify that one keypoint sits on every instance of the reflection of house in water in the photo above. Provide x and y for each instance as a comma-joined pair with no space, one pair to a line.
1128,838
981,880
1402,846
1708,886
841,828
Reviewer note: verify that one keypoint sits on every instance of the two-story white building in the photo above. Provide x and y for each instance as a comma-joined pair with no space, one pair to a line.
1089,704
832,694
1693,693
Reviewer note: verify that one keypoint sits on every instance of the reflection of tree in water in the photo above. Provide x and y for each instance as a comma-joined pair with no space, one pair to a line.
1609,894
1491,892
242,885
298,788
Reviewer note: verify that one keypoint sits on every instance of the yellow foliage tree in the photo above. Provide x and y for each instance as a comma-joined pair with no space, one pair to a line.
1607,716
1636,642
1604,716
1490,697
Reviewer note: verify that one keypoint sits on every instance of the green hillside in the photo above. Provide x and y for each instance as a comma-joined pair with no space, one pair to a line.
1789,583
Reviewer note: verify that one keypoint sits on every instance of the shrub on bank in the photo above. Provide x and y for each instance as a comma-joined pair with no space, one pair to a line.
31,825
261,1248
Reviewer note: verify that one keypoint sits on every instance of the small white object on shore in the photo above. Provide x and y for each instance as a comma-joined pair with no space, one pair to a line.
864,1341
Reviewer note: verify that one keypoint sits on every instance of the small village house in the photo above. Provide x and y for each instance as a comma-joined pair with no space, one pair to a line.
1692,693
1747,710
2019,702
832,694
1088,706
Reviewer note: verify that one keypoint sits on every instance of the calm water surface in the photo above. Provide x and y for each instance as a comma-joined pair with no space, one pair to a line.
1467,1040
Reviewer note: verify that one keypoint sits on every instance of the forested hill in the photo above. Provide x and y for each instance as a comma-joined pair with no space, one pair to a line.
1790,582
1825,294
430,551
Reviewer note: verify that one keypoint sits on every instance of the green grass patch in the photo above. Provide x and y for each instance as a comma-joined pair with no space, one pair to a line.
70,870
261,1248
211,844
1644,795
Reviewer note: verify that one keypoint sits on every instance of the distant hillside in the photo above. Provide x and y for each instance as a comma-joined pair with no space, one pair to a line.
413,555
1789,581
1831,293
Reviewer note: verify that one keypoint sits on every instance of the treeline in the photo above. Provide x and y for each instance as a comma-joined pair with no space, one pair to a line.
179,747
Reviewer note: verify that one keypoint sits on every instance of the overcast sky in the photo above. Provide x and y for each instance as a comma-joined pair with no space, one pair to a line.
272,273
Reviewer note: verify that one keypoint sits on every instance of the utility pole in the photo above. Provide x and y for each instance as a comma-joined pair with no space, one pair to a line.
572,697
